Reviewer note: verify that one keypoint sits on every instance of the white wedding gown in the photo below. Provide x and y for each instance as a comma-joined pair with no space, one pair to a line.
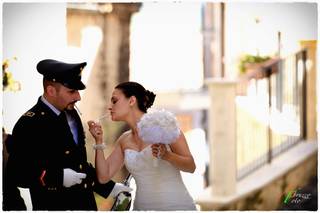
158,187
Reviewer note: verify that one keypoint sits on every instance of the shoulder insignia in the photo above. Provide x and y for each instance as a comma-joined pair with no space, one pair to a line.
29,114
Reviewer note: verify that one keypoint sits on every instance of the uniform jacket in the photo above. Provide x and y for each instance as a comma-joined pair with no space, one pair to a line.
43,146
11,198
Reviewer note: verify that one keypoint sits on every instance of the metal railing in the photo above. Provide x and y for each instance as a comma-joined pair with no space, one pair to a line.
271,118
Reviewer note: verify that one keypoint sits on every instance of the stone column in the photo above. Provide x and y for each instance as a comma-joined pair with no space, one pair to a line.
222,136
108,63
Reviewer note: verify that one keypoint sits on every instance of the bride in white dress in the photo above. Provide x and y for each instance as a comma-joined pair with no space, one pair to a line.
160,187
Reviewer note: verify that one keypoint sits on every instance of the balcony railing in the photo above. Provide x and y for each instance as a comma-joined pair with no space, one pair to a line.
271,118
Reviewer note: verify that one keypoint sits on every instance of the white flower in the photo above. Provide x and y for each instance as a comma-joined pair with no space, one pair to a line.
158,127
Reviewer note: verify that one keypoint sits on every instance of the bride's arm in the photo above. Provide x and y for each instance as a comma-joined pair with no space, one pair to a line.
180,157
106,167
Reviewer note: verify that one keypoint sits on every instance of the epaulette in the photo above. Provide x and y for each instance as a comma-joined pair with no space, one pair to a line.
29,114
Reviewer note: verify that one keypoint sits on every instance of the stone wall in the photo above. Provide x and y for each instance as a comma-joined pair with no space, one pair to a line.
272,195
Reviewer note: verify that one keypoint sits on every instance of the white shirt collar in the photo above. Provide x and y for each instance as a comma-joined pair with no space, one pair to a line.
55,110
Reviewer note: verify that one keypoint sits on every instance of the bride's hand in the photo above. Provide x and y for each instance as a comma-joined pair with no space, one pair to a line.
159,150
96,131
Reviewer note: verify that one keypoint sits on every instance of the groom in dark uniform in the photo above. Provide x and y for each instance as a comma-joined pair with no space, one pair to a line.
48,151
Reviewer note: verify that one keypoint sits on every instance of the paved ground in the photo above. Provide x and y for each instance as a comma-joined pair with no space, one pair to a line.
306,198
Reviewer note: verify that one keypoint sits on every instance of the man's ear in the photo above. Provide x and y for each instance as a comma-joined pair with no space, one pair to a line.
51,90
132,100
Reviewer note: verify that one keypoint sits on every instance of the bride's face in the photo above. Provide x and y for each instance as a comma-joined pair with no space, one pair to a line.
119,107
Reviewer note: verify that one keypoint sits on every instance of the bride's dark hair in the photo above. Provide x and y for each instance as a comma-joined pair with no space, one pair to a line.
144,97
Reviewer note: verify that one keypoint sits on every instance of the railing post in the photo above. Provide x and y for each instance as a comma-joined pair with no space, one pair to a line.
222,136
311,93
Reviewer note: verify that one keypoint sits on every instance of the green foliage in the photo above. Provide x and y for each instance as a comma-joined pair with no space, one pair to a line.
250,59
123,205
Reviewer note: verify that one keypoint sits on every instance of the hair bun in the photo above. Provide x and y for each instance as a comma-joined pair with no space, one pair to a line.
150,96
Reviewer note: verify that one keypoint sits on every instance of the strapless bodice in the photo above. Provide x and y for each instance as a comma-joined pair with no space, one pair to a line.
158,187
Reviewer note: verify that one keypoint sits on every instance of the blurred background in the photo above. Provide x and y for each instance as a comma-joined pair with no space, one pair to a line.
240,77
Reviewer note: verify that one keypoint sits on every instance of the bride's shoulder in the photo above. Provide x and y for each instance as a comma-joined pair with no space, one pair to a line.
125,136
126,133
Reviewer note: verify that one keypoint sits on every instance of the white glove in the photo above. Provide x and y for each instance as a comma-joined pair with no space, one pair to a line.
119,187
71,177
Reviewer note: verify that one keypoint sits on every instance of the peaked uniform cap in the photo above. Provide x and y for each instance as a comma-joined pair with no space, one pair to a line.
69,75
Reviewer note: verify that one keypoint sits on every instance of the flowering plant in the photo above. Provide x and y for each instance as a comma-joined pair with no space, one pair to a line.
8,83
159,126
247,59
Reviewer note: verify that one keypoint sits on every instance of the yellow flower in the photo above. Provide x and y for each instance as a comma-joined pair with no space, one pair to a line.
8,83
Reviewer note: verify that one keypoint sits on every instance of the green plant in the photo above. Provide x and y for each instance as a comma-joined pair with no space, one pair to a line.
250,59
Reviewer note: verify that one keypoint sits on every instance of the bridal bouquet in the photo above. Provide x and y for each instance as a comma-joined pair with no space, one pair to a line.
159,126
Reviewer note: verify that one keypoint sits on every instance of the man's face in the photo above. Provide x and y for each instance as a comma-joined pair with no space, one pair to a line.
65,98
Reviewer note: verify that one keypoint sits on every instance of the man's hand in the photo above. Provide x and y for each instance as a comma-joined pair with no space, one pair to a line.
119,187
71,177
